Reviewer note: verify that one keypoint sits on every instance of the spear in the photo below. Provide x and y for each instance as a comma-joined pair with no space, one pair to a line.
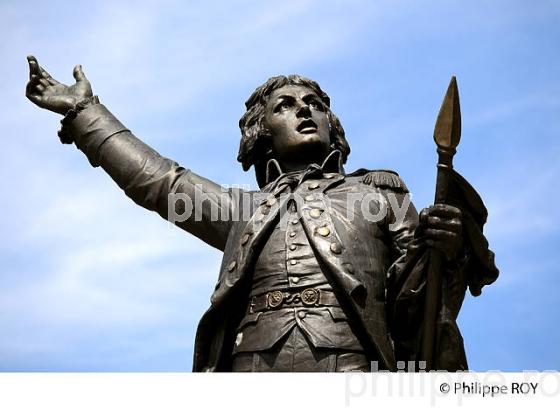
447,134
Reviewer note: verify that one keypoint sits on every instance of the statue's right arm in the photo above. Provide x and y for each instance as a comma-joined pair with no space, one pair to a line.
144,175
151,180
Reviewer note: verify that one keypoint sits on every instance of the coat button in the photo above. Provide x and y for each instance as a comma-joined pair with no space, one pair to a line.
336,248
323,231
270,201
295,280
313,185
301,314
231,266
292,234
293,262
293,247
309,198
245,239
315,212
294,221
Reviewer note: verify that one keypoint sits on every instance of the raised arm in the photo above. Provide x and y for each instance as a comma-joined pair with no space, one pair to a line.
152,181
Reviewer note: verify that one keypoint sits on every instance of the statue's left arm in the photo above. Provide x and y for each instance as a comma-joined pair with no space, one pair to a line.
455,229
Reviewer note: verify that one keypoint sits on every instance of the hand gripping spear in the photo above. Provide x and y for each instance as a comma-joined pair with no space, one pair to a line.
447,134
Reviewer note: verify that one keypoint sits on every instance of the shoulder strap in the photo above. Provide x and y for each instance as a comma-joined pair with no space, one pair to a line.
386,179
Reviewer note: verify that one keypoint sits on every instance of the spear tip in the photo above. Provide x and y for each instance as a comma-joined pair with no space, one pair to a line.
447,132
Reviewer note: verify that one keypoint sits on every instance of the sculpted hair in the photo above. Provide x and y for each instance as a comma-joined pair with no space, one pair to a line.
255,148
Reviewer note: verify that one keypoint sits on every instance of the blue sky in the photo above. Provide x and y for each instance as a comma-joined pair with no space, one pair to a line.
91,282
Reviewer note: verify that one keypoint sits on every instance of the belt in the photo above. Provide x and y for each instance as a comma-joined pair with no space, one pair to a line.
276,299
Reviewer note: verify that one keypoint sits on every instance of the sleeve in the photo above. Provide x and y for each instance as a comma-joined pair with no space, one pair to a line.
403,283
406,276
158,184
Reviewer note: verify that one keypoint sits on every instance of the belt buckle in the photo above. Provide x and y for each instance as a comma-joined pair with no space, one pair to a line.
274,299
310,297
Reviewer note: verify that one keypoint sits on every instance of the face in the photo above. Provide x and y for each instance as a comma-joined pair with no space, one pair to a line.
297,120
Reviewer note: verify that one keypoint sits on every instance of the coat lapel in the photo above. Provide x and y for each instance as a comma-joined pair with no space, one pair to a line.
236,262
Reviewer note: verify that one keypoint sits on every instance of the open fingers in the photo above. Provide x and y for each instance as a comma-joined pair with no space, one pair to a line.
48,77
34,79
33,93
36,72
34,69
37,84
30,89
33,83
79,75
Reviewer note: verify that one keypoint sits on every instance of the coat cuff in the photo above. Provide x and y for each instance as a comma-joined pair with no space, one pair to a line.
91,128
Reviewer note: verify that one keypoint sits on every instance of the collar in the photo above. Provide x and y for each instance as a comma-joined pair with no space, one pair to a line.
333,164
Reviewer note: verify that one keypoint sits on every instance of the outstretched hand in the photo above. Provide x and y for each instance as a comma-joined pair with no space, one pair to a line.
46,92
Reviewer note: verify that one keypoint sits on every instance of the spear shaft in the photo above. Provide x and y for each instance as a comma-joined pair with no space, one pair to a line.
447,134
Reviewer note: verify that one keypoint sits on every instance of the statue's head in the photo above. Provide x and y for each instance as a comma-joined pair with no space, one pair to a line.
289,119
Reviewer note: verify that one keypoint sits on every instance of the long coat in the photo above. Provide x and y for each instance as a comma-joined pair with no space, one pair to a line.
377,271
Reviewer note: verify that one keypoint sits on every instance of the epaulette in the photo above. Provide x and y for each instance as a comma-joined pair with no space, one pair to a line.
386,179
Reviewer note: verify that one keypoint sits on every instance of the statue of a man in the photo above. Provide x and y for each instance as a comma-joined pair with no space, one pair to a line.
317,276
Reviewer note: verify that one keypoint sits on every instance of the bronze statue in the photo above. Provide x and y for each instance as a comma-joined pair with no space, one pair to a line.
323,270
